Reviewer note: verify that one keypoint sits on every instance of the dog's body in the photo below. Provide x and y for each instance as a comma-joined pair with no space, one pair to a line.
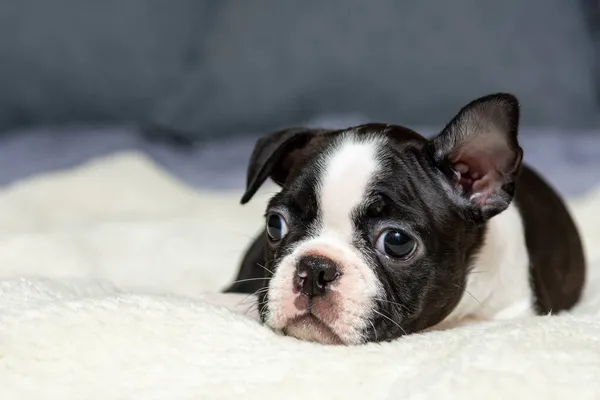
379,232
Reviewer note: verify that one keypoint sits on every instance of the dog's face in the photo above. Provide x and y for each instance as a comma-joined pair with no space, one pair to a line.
374,231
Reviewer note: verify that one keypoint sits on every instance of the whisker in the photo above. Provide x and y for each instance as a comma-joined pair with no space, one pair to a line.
265,268
402,306
261,290
473,297
391,320
262,309
245,300
250,308
374,331
250,279
256,303
376,312
270,262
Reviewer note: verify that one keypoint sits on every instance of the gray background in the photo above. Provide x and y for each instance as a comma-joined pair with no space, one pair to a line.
209,68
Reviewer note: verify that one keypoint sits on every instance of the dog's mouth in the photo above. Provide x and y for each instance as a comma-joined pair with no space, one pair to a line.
309,328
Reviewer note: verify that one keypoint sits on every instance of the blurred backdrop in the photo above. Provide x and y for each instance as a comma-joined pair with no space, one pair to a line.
192,83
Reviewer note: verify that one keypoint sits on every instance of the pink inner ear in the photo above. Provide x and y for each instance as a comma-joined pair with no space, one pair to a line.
477,177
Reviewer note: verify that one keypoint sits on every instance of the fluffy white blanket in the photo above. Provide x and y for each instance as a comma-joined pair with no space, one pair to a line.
103,271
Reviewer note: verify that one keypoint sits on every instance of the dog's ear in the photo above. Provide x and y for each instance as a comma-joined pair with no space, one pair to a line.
273,156
479,154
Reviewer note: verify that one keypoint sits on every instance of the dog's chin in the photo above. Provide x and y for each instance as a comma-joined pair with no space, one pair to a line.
310,329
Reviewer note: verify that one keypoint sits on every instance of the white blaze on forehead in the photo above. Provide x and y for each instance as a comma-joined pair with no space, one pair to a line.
346,171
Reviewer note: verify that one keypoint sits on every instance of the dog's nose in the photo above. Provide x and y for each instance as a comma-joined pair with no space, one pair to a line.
314,274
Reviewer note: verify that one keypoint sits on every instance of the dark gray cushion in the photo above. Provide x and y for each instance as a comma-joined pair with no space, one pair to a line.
107,60
592,14
215,67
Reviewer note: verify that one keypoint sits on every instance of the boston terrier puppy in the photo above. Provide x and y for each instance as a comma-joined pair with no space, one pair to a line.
378,232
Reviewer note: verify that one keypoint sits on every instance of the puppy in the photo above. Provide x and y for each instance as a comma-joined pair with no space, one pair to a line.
378,232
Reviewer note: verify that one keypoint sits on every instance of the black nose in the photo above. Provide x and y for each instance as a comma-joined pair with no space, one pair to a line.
314,274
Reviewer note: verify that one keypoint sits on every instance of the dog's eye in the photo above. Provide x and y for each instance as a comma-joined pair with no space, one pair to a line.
396,244
276,227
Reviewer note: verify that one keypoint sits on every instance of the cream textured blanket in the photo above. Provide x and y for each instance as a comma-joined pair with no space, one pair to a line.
102,275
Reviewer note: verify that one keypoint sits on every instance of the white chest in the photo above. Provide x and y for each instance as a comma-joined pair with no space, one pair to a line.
499,284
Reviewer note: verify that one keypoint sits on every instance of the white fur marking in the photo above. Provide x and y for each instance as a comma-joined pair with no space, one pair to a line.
498,287
347,171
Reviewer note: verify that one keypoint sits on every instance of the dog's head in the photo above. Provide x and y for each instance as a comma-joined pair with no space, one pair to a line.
374,230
